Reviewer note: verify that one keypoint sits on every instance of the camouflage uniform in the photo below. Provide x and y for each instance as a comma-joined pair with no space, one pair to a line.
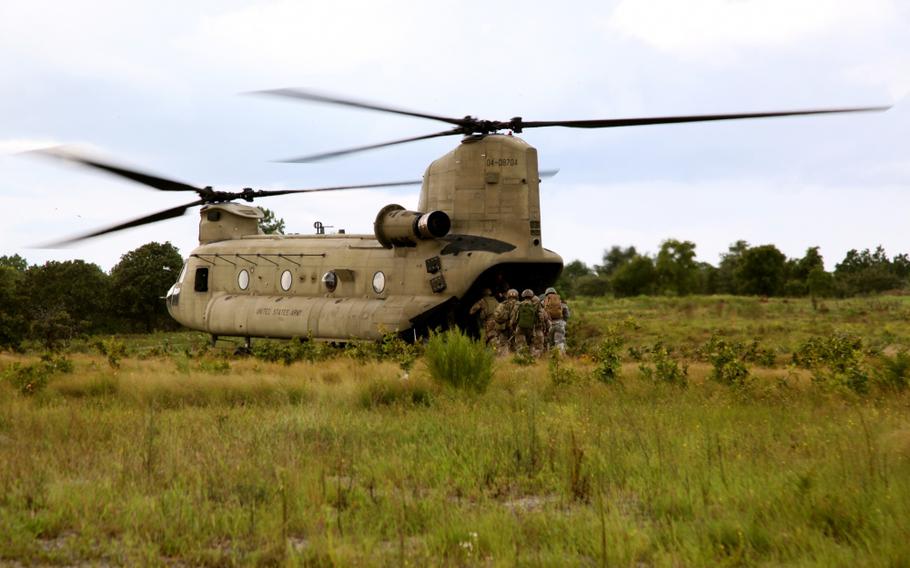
484,310
557,335
524,338
541,329
501,339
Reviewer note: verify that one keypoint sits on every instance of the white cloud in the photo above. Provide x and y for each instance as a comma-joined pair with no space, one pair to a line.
716,30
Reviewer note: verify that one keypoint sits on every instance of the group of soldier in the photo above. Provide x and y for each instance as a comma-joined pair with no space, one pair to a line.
528,323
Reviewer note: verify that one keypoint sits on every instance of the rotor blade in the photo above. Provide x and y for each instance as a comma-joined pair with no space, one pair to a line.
154,217
616,122
271,193
323,156
547,173
311,96
140,177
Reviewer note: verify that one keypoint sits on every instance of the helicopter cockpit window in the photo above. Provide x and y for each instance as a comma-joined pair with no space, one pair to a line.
378,282
183,272
286,279
243,279
201,283
330,279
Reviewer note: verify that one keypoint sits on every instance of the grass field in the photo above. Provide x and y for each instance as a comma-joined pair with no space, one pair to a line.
170,454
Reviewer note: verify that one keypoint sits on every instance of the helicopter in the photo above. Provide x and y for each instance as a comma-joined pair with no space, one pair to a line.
478,225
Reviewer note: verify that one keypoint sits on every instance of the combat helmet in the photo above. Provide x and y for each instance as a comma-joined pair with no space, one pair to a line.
512,293
527,293
550,290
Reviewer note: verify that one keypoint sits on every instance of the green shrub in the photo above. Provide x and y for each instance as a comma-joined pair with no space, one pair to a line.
665,368
835,361
728,360
291,351
33,378
581,333
394,348
455,359
608,358
113,349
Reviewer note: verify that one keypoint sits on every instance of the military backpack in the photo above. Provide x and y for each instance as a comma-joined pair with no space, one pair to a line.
552,304
527,316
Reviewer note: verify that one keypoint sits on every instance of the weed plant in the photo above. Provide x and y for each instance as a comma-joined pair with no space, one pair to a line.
609,357
455,359
661,365
835,361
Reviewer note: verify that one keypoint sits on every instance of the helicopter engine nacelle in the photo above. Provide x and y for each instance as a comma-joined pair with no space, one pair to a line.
395,226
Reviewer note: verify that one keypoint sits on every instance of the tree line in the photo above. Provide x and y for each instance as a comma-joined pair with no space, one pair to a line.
59,300
744,269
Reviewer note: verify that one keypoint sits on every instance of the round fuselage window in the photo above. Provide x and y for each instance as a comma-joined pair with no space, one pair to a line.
243,279
286,279
378,282
330,279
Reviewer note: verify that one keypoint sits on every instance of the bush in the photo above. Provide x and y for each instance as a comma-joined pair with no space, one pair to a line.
581,334
394,348
666,369
113,349
291,351
457,360
608,358
728,360
32,379
835,361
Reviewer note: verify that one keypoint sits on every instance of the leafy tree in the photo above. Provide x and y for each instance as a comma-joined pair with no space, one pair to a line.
676,269
78,288
141,279
729,265
635,277
867,272
567,283
12,312
592,285
15,262
761,271
707,279
615,258
820,283
270,224
799,269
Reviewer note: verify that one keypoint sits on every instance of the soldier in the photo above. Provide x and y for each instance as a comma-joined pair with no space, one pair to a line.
559,315
483,310
524,320
502,317
541,329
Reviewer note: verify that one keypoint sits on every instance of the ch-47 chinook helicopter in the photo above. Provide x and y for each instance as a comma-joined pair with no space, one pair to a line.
478,225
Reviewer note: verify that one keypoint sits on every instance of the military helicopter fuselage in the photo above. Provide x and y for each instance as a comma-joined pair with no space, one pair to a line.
478,225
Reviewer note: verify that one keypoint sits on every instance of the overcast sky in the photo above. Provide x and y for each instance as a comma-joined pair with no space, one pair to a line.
156,85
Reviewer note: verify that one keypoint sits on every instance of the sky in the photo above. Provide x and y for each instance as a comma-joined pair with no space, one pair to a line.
163,87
